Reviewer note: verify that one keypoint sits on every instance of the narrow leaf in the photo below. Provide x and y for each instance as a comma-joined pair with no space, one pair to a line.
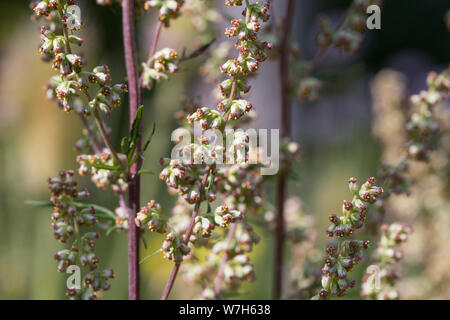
149,138
134,133
144,171
104,166
149,256
101,212
110,229
144,242
39,203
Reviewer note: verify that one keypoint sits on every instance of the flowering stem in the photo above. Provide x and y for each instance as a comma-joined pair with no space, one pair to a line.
187,235
152,51
135,100
90,134
285,132
223,261
64,26
323,51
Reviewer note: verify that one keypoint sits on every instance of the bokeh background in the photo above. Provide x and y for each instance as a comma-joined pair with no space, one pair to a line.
36,138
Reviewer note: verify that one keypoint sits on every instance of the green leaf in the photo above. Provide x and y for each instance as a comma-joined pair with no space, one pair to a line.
134,133
149,138
111,229
101,212
123,143
99,209
149,256
39,203
104,166
144,171
144,242
141,153
210,183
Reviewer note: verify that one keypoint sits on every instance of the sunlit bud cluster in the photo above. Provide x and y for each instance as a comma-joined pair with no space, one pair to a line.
152,216
223,216
237,183
163,63
207,118
73,85
203,226
251,50
381,276
67,218
174,248
168,9
182,178
422,127
104,170
241,185
344,253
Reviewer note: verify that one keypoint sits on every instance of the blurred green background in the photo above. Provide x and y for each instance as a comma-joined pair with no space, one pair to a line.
36,139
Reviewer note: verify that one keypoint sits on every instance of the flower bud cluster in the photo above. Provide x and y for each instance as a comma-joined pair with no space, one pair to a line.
343,255
73,82
163,63
174,248
183,178
422,127
152,216
309,88
348,37
421,130
388,255
236,183
97,165
238,267
67,218
223,216
252,51
168,9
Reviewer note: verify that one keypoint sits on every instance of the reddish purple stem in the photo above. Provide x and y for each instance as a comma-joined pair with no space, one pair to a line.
135,100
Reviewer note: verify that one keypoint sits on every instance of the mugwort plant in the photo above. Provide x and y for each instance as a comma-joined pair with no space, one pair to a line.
221,173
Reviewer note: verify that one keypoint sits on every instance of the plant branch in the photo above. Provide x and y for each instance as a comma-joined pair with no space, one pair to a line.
223,261
323,51
90,134
285,132
135,100
101,128
187,235
152,51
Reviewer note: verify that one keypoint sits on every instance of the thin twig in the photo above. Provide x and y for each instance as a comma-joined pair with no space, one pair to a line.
187,235
90,134
285,132
196,52
101,128
223,261
152,51
323,51
135,100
